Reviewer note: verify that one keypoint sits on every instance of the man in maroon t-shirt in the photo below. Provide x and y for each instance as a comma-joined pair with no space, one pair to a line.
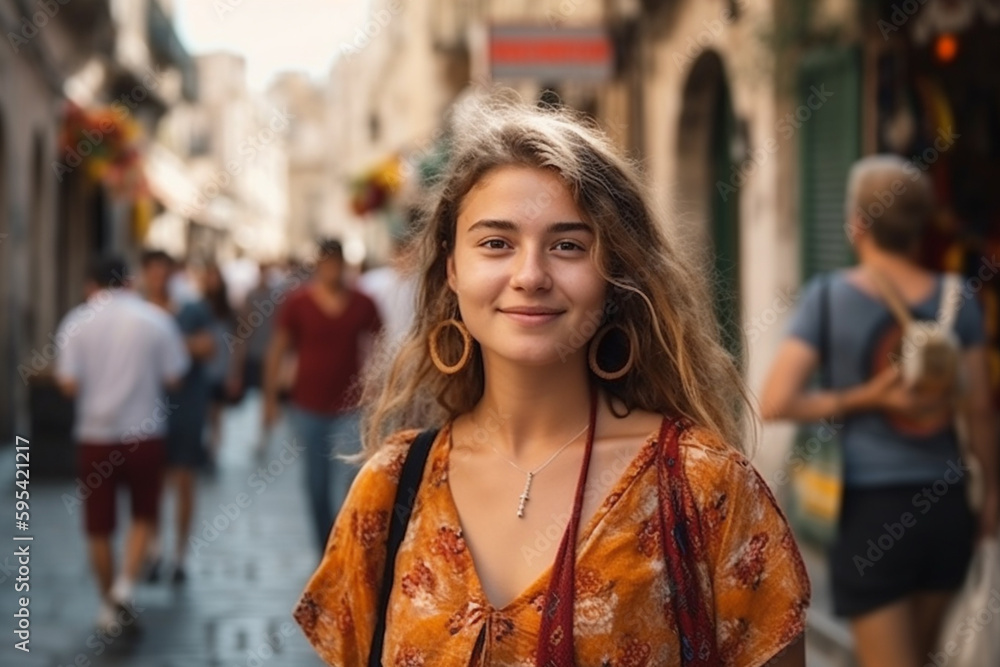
331,328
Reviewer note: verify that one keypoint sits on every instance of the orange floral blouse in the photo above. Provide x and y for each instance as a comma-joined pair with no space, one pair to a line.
439,616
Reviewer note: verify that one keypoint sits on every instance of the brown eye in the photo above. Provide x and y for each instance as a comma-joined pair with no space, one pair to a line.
568,246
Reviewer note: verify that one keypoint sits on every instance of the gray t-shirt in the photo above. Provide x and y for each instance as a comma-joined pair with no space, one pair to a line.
879,449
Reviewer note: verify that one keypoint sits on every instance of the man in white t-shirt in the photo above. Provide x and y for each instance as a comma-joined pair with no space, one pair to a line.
118,355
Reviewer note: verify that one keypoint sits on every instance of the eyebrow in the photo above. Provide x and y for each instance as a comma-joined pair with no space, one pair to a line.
509,226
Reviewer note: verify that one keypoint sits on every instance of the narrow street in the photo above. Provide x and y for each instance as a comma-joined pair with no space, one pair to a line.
288,183
235,608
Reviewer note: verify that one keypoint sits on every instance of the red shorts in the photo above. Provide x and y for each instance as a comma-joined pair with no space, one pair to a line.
102,468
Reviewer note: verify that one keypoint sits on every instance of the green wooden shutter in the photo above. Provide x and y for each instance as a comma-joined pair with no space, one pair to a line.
829,142
726,227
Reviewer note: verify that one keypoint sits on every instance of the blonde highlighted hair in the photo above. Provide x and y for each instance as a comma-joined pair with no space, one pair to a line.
681,366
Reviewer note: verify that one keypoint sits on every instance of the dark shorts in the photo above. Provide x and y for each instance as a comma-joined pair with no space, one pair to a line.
253,373
219,394
186,429
185,446
899,540
102,468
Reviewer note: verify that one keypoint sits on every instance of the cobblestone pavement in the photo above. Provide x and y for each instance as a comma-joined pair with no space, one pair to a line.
233,611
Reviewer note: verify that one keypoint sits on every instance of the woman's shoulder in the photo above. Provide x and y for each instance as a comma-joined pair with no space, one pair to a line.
699,446
368,506
379,474
743,526
708,460
716,469
338,605
758,581
386,463
705,449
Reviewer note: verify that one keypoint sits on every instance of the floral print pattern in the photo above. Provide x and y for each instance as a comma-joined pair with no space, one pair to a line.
623,616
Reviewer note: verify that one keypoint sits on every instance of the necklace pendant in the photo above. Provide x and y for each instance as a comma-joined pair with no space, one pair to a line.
524,495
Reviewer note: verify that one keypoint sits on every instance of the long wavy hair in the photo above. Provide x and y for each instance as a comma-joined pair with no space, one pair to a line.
681,365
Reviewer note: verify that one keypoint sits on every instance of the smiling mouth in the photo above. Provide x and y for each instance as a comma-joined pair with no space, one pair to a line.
531,311
531,315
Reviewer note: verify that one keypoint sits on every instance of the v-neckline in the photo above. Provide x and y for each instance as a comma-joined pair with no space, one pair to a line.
540,584
348,297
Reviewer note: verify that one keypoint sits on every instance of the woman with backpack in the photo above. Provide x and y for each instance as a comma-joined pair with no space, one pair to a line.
581,498
901,351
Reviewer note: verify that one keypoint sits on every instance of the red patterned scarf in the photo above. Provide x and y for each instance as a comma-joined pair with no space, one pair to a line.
682,549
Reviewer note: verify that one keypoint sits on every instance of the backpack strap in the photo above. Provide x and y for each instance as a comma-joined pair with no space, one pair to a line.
951,296
402,507
825,349
892,299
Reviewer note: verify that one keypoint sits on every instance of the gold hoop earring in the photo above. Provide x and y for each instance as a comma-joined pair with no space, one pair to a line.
595,344
432,343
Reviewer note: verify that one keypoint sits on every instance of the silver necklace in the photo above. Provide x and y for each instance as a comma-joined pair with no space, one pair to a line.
523,498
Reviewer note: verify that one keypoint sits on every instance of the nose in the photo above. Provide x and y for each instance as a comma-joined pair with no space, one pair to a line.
530,270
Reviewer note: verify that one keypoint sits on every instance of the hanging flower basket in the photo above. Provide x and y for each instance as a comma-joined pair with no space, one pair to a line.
373,191
105,144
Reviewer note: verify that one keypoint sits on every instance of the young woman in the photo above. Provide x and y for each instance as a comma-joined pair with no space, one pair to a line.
223,374
584,502
899,445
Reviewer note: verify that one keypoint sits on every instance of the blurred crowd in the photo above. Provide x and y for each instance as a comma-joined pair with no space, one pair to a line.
206,336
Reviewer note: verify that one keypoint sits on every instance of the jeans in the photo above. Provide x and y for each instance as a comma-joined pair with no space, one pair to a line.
328,478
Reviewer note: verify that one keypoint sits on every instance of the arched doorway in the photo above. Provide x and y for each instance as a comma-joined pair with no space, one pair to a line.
707,192
80,235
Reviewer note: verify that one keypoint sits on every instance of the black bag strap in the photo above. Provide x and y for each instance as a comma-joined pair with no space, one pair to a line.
825,381
402,507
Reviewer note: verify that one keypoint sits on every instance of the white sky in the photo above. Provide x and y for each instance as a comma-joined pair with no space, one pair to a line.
273,35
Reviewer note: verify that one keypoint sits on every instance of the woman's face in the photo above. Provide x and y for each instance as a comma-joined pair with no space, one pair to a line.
527,285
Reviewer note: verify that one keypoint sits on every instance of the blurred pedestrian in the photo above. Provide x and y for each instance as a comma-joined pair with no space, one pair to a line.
255,325
331,329
185,434
120,355
224,376
182,286
898,441
568,353
241,274
256,319
394,291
